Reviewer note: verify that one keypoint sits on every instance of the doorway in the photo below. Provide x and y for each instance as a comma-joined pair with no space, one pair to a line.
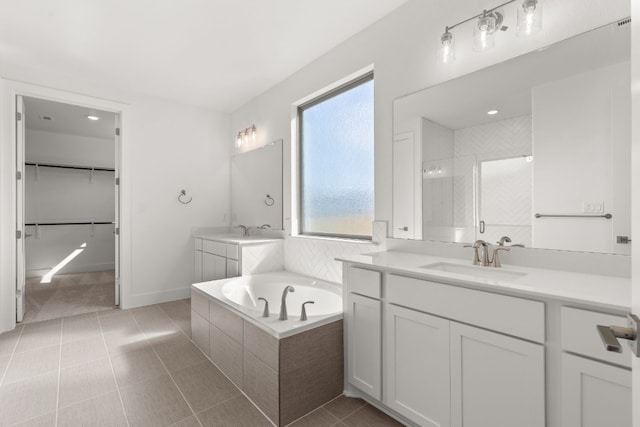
67,203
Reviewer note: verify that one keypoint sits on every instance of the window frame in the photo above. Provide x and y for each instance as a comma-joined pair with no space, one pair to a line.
324,96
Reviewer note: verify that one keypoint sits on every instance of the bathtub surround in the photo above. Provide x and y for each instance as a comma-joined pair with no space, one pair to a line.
288,368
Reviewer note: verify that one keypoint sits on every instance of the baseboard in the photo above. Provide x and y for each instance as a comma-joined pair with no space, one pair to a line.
72,270
140,300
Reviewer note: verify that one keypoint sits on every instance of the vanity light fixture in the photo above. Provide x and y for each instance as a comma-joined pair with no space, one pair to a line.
447,51
529,18
488,22
245,135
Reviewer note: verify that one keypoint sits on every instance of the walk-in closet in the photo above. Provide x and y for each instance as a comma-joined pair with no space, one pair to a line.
69,210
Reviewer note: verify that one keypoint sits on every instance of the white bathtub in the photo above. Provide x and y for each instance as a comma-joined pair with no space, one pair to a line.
240,295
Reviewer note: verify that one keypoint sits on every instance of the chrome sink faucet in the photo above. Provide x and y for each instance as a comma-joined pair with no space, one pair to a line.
245,230
283,304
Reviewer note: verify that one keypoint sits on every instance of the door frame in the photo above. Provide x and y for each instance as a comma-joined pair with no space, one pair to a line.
9,220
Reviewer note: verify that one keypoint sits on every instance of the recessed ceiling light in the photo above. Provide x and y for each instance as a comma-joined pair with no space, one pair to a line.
492,112
92,117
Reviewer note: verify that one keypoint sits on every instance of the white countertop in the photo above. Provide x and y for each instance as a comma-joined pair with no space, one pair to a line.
612,293
236,238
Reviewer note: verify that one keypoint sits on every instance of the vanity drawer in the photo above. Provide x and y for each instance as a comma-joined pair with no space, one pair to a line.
232,251
510,315
215,248
579,335
364,282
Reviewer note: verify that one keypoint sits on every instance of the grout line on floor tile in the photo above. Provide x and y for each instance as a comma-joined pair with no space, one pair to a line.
360,408
167,369
13,352
113,371
59,370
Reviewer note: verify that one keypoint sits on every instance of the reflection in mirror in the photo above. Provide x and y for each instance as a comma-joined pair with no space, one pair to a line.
256,187
544,133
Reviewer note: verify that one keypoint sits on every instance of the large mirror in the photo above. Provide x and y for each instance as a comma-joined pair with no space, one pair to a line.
536,148
256,187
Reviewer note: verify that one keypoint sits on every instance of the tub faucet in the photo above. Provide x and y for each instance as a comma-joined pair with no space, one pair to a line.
283,305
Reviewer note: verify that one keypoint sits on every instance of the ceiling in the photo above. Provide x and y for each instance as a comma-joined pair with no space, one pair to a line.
217,54
67,119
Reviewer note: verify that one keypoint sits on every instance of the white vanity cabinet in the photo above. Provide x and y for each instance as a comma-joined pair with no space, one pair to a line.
496,380
437,370
363,309
416,368
215,260
596,384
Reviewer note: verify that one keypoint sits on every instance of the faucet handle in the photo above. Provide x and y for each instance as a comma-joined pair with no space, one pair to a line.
496,259
476,255
303,312
265,313
503,240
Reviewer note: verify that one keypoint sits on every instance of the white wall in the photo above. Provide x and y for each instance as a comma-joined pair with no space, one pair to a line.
166,147
581,138
403,48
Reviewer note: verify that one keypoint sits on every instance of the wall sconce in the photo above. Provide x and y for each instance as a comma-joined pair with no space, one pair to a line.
246,135
488,22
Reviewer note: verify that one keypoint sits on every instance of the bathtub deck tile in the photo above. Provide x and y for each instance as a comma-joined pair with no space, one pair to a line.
262,386
226,354
226,321
264,346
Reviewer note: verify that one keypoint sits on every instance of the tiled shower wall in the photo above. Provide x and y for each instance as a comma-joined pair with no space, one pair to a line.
503,139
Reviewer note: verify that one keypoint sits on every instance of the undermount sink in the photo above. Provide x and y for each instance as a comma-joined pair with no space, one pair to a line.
476,271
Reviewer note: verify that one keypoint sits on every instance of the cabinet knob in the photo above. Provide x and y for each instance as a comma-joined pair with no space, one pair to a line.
610,334
405,228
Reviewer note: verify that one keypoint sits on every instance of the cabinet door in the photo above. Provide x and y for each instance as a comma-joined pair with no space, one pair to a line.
417,365
364,344
214,267
197,267
496,380
594,394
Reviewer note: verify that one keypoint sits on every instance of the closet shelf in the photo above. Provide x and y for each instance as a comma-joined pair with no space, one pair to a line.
33,224
86,168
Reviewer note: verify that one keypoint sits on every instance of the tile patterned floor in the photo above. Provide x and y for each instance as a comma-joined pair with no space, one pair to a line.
133,368
69,295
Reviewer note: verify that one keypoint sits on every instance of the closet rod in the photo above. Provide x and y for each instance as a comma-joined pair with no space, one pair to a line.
86,168
69,223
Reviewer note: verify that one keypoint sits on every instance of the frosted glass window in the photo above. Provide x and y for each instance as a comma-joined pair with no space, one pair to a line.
336,162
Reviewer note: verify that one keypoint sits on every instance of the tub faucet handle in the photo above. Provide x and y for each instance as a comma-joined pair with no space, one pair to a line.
303,314
265,313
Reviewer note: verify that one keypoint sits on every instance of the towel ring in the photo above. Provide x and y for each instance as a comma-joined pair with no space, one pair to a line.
183,193
269,200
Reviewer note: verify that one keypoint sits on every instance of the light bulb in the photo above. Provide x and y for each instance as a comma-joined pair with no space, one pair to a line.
483,33
253,133
529,18
239,139
447,50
